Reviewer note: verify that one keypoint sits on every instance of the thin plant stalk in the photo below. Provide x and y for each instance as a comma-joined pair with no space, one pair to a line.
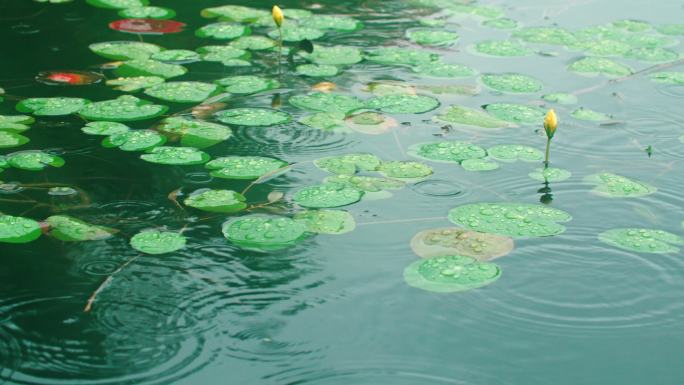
548,147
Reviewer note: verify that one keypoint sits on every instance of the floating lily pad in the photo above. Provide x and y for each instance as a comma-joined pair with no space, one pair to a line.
511,82
336,55
550,174
147,26
125,50
314,70
590,115
217,201
247,84
432,22
52,106
403,104
15,123
125,108
560,98
511,219
294,33
439,69
326,121
18,229
514,152
546,35
503,48
405,170
158,242
70,229
501,23
117,4
486,11
371,123
253,43
425,36
177,156
327,221
454,241
252,117
617,186
149,67
671,29
134,140
12,139
33,160
642,240
650,41
330,22
632,25
183,92
327,195
472,117
149,12
366,183
235,13
223,31
607,47
447,151
652,54
265,233
668,77
598,65
195,133
326,102
105,128
135,83
448,274
224,54
400,56
348,164
479,165
244,167
176,56
516,113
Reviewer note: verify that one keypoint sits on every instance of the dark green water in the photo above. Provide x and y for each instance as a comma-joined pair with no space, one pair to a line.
335,309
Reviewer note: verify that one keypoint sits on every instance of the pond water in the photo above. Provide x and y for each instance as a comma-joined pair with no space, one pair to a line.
126,264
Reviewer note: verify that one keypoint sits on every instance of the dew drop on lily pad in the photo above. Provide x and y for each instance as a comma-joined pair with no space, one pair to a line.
502,48
348,164
177,156
327,195
158,242
447,151
479,165
265,233
550,174
327,221
314,70
134,140
514,152
448,274
135,83
618,186
516,113
335,55
367,184
52,106
642,240
183,92
431,37
125,108
149,67
223,31
326,102
125,50
400,56
244,167
217,201
247,84
252,117
117,4
598,65
18,229
455,241
440,69
149,12
405,170
471,117
70,229
403,104
512,82
33,160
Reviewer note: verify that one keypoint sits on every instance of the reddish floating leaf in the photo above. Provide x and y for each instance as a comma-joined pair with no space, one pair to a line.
147,26
69,78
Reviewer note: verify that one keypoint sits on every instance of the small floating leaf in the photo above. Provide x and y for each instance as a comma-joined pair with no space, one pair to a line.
503,48
403,104
448,151
33,160
70,229
216,201
590,115
18,229
105,128
52,106
294,33
439,69
134,140
513,152
183,92
147,26
516,113
448,274
178,156
348,164
599,65
327,221
425,36
335,55
195,133
149,67
223,54
550,174
149,12
176,56
158,242
511,219
135,83
371,123
406,170
265,233
479,165
317,70
511,82
223,31
326,121
247,84
454,241
560,98
125,50
642,240
471,117
617,186
327,195
326,102
252,117
366,183
400,56
122,109
12,139
244,167
15,123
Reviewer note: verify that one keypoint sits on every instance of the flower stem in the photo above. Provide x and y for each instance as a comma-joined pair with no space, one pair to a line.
280,49
548,147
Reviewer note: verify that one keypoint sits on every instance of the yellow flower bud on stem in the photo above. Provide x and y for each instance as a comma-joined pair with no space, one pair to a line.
550,125
278,18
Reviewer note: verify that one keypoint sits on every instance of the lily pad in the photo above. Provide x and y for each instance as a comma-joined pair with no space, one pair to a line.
516,113
195,133
632,25
134,140
12,139
176,56
550,174
70,229
371,123
253,43
326,102
366,183
235,13
294,33
253,117
349,164
597,65
434,37
642,240
125,108
52,106
652,54
546,35
590,115
330,22
668,77
502,48
217,201
247,84
405,170
158,242
105,128
335,55
327,195
183,92
314,70
223,31
224,54
18,229
671,29
501,23
617,186
400,56
327,221
448,274
135,83
149,12
511,219
149,67
265,233
514,152
177,156
117,4
33,160
15,123
479,165
439,69
560,98
447,151
511,82
455,241
244,167
326,121
403,104
471,117
125,50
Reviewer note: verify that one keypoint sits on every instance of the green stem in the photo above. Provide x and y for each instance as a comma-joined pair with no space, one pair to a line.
548,147
280,49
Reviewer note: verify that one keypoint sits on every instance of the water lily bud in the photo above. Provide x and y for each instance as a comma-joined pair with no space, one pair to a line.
550,123
278,16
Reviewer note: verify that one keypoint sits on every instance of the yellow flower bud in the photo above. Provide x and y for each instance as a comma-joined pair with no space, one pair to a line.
278,16
550,123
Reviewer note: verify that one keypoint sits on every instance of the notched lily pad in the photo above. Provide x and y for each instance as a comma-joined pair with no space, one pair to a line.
512,82
247,84
244,167
15,123
125,50
125,108
227,55
642,240
617,186
331,22
52,106
149,67
403,104
183,92
70,229
134,140
327,221
265,233
252,117
546,35
327,195
12,139
652,54
117,4
176,56
514,152
348,164
326,102
501,23
447,274
105,128
158,242
253,43
550,174
447,151
195,133
177,156
455,241
33,160
471,117
18,229
326,121
217,201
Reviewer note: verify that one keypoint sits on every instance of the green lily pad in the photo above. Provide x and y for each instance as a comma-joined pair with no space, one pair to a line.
70,229
335,55
244,167
134,140
560,98
511,219
479,165
149,67
18,229
327,195
224,54
435,37
403,104
327,221
177,156
550,174
501,23
195,133
617,186
326,121
15,123
606,47
252,117
348,164
514,152
516,113
671,29
247,84
125,50
652,54
454,241
149,12
330,22
432,22
326,102
668,77
366,184
598,65
642,240
439,69
314,70
135,83
511,82
265,233
632,25
253,43
650,41
486,11
105,128
117,4
235,13
183,92
33,160
296,14
176,56
125,108
448,274
371,123
545,35
294,33
52,106
405,170
472,117
158,242
12,139
223,31
400,56
503,48
448,151
217,201
590,115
